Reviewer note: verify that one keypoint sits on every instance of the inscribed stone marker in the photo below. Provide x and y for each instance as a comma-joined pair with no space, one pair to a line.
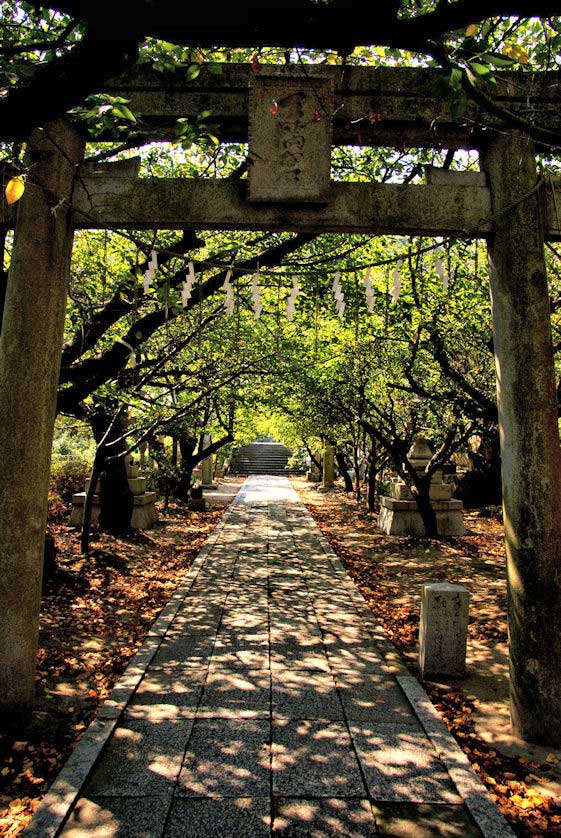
290,134
443,629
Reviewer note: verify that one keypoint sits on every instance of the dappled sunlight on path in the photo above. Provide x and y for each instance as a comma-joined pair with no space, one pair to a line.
270,704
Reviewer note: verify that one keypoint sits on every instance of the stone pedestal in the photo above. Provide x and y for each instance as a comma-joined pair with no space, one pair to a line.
399,514
313,475
443,629
144,513
196,505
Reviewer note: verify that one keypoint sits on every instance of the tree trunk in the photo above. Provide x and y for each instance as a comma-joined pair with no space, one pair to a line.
421,494
187,447
88,506
3,274
358,493
530,450
344,471
30,347
313,458
372,475
116,501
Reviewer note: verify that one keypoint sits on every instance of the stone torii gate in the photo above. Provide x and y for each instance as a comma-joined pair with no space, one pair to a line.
292,116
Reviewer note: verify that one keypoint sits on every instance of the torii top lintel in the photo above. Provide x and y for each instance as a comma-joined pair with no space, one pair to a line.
373,106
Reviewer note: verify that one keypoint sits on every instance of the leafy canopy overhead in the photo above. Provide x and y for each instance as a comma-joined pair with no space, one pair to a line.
52,58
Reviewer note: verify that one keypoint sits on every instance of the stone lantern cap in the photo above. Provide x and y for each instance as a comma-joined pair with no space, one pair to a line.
419,454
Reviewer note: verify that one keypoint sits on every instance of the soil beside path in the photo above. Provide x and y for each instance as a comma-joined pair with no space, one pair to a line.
390,571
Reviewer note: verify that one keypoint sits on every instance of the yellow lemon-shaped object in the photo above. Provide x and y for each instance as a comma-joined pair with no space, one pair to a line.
15,189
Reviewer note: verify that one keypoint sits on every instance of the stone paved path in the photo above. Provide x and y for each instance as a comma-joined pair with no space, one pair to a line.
268,706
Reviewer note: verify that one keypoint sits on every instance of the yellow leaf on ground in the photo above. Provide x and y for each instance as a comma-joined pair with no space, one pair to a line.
471,30
14,189
522,802
552,759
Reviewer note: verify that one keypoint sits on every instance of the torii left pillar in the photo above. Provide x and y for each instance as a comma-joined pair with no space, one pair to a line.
30,353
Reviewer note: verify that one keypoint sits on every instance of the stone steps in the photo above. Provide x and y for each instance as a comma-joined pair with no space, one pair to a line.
261,458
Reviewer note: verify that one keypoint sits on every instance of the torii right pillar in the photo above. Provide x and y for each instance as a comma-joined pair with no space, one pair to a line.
530,448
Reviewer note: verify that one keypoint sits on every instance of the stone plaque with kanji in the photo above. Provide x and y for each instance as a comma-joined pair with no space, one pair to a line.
290,130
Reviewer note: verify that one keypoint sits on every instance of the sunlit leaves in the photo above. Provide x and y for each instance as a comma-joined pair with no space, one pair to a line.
516,52
31,35
106,115
199,131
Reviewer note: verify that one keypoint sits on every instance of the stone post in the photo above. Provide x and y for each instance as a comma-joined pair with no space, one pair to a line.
30,351
530,450
328,466
443,629
206,472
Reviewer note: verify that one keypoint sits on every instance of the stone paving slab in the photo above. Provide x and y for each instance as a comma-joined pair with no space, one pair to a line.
117,817
143,758
423,820
243,691
303,694
314,759
227,758
401,765
267,700
323,818
207,818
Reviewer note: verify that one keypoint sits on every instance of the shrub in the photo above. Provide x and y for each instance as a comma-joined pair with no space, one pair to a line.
56,509
297,460
68,477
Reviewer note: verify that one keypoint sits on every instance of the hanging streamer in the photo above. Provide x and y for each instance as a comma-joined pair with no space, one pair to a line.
291,301
228,288
150,271
256,296
339,294
441,273
395,290
131,362
187,289
370,293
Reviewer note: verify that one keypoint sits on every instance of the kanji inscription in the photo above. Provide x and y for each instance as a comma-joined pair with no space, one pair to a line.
290,134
